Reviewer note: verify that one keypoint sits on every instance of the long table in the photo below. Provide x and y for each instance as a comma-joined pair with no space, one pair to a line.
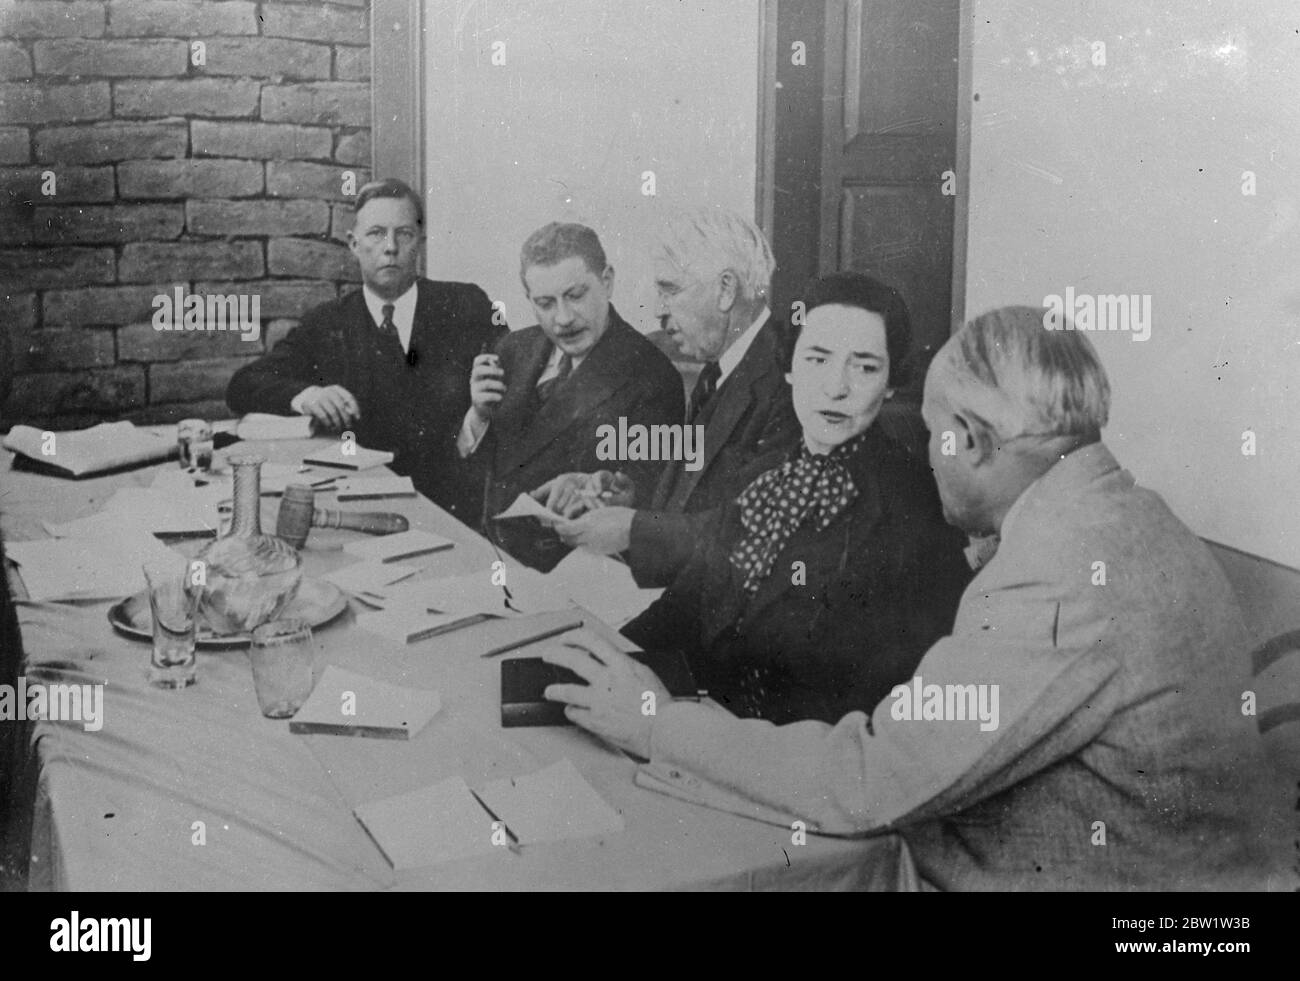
195,790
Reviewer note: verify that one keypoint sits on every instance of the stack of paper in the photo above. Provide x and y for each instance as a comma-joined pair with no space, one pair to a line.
262,425
348,456
106,566
602,585
348,704
446,821
107,446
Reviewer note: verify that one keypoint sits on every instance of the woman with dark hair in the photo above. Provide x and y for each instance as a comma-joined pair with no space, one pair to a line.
831,575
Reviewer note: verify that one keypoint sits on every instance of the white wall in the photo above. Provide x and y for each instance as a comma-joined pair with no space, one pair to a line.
592,94
1127,178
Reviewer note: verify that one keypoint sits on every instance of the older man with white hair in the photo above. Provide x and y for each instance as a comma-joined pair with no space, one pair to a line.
1083,725
712,271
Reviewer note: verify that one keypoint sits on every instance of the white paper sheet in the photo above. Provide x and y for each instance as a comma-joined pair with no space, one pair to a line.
553,804
103,567
263,425
375,704
602,585
371,488
374,579
359,457
408,624
103,447
431,825
527,507
470,593
404,544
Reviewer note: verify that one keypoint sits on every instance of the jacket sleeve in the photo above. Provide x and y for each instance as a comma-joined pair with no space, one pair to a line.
662,542
307,355
676,618
658,403
869,772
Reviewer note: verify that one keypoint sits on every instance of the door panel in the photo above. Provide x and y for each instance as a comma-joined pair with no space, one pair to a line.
889,133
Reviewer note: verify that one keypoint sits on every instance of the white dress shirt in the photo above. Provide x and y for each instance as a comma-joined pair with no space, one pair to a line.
732,355
403,319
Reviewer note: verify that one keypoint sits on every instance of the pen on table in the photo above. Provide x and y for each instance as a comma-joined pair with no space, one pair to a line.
513,843
524,642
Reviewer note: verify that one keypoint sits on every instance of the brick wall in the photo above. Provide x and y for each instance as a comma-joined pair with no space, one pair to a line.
225,177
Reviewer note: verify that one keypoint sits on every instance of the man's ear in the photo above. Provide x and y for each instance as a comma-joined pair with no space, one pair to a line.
974,441
728,290
607,277
353,242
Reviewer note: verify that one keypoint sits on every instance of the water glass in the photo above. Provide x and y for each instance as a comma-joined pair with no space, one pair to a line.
174,608
283,661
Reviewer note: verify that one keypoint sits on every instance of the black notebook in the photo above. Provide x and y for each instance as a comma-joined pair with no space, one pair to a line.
524,679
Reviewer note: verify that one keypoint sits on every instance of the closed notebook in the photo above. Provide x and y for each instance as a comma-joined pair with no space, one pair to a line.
344,703
524,681
348,456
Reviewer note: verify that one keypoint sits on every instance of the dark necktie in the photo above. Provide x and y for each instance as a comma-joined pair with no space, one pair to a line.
388,328
547,388
808,488
705,386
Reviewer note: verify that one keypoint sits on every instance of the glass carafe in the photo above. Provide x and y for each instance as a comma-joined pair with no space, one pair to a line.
251,577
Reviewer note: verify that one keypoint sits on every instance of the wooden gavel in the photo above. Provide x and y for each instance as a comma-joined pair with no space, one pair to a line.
299,514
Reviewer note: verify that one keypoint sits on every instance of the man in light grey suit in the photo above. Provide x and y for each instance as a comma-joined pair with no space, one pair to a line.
1082,728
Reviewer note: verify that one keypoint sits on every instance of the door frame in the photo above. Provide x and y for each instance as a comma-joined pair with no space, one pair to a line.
397,133
765,170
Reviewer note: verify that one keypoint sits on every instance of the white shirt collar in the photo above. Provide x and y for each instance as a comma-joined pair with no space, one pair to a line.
403,311
732,355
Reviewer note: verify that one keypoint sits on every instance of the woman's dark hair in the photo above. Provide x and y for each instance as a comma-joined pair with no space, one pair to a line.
859,290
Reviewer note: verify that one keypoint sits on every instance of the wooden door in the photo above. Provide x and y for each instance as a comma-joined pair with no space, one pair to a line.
889,133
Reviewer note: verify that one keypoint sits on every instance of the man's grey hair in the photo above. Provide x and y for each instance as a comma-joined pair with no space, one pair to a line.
1006,372
705,242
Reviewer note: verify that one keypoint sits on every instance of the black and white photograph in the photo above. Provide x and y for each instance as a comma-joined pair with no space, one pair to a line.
650,446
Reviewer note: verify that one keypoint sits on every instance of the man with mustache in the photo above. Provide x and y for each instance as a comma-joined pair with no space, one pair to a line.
538,403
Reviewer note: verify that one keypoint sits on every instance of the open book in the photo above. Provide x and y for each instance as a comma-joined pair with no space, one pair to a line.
108,446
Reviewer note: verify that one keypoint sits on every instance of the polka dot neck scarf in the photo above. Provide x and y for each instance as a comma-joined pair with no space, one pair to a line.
810,487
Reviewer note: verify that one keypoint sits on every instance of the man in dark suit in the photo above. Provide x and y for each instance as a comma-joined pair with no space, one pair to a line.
390,362
539,403
712,272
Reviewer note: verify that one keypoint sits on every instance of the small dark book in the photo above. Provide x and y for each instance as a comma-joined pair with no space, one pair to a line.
524,679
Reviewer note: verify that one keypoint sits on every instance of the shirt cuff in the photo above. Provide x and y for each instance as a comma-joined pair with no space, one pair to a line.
296,402
472,431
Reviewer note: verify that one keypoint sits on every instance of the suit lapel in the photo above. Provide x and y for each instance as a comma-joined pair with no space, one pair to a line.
430,313
592,383
722,416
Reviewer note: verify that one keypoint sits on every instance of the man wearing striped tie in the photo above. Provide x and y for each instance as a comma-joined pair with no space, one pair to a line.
538,403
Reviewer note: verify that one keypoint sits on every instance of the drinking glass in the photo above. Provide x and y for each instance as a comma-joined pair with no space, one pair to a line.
174,608
283,661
